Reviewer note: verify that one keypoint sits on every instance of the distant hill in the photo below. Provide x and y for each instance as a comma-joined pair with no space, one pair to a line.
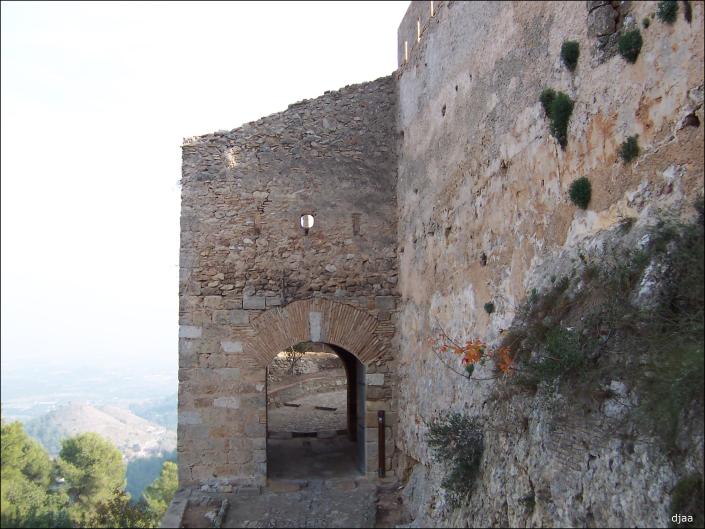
134,436
161,411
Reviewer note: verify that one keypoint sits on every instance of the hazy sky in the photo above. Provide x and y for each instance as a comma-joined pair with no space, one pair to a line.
96,99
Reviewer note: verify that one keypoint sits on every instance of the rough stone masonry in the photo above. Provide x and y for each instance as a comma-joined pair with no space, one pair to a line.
252,283
433,191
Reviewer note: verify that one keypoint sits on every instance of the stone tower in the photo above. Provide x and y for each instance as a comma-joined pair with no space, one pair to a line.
254,282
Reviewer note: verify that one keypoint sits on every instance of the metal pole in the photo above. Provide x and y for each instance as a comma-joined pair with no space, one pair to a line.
380,441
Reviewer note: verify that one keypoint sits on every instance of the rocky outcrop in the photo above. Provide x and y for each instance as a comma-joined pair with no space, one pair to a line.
485,217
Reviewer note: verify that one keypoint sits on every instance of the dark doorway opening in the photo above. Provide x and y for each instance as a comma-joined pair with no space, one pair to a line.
315,413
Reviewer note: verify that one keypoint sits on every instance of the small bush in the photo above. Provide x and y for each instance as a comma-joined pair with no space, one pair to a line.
667,11
673,331
570,51
562,354
560,110
489,307
629,149
687,499
646,22
457,441
630,45
581,192
547,96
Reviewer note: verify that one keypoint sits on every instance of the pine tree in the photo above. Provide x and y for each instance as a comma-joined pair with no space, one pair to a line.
159,494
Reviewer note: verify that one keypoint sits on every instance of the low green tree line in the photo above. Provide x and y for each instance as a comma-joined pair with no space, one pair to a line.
83,487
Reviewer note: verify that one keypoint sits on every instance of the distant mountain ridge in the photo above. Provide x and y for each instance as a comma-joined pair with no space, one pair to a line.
162,411
134,436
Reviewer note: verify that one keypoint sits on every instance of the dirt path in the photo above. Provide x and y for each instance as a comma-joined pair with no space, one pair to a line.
306,417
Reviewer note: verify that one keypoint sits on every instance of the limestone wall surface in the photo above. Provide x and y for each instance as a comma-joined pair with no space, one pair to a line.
244,256
484,216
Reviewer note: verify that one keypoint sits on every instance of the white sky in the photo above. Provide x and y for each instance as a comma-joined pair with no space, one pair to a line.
96,99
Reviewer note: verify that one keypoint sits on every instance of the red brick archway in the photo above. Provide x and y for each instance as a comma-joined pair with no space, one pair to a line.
315,320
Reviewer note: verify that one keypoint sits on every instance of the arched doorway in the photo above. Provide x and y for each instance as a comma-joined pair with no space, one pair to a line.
361,338
315,413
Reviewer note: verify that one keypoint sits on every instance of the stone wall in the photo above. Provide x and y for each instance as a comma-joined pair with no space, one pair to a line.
484,216
434,192
246,265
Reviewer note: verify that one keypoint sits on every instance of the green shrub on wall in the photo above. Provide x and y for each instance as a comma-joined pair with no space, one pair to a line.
570,51
547,96
558,107
562,354
667,11
629,149
630,45
561,109
457,441
581,192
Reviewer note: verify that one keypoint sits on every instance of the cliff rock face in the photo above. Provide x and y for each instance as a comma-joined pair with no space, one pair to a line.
485,217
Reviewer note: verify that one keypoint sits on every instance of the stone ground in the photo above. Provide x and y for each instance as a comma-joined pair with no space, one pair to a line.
306,418
319,503
312,482
311,458
339,502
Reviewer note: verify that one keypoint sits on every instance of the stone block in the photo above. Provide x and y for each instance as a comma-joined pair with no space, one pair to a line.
189,417
273,301
227,402
602,21
231,346
371,419
375,405
385,303
221,317
202,402
239,317
248,490
314,325
190,331
375,379
377,392
213,302
384,316
227,374
230,303
254,303
255,429
175,513
188,356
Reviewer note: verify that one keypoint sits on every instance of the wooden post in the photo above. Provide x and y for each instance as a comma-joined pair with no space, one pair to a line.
380,442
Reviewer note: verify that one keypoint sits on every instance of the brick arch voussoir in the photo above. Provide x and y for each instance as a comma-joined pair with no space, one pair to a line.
343,325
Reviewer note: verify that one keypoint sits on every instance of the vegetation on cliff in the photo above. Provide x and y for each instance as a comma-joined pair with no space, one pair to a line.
621,335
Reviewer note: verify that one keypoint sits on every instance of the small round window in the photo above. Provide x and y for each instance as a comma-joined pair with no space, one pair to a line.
307,221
